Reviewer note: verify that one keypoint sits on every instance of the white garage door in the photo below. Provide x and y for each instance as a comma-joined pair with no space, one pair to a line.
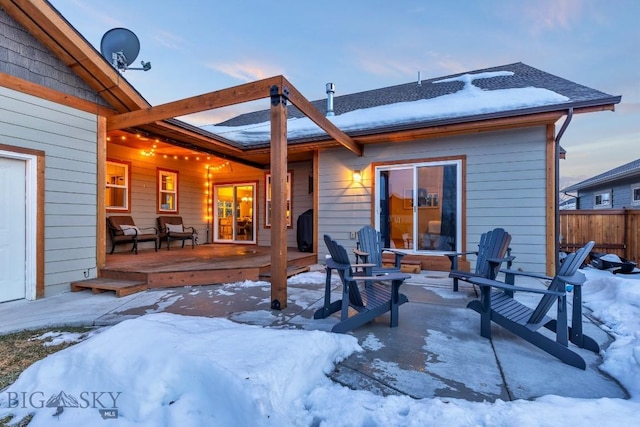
12,229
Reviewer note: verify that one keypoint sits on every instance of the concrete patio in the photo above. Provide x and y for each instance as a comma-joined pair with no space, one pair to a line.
437,350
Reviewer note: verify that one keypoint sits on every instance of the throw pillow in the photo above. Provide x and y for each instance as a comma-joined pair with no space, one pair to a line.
175,228
130,230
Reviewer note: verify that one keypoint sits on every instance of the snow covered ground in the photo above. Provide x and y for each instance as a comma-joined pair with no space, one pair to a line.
168,369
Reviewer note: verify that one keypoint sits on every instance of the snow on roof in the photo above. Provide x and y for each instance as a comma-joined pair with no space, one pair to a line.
471,100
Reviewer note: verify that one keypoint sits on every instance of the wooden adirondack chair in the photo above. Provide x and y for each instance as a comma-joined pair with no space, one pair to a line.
501,308
368,302
370,250
493,250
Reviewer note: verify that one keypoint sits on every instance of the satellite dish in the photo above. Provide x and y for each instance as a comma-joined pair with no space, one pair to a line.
120,47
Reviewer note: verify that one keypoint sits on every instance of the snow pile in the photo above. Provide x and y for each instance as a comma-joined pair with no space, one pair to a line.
166,369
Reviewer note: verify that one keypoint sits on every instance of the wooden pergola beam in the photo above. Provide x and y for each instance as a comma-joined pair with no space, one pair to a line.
231,96
325,124
208,101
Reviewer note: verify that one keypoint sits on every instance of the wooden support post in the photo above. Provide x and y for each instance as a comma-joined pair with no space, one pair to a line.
101,220
278,197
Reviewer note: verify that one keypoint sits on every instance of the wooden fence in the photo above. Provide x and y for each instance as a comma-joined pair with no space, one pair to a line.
615,231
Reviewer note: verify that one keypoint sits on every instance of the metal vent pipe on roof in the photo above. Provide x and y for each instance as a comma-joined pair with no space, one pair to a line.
331,89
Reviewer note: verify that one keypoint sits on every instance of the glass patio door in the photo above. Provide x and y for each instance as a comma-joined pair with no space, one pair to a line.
234,213
419,206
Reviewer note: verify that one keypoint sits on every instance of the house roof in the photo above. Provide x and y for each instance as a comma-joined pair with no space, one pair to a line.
629,170
504,77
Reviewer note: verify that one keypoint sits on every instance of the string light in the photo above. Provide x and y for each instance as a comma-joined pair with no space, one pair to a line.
218,167
152,151
194,156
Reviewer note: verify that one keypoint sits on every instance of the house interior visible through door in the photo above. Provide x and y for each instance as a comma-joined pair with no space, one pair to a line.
234,213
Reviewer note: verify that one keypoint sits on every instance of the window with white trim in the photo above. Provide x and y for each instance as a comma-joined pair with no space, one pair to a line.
602,200
635,195
117,187
267,220
167,191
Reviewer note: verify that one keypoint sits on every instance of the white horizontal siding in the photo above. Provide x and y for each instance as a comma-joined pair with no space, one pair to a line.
68,139
505,187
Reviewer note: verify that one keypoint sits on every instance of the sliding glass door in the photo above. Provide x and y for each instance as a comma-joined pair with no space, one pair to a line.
234,213
418,205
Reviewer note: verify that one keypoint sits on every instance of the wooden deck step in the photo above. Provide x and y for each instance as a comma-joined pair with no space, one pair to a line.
102,284
291,271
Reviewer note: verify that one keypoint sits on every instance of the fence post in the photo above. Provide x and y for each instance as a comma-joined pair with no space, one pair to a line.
626,232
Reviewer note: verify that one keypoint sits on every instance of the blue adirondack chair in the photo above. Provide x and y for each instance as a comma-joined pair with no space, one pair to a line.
501,307
367,302
493,250
370,250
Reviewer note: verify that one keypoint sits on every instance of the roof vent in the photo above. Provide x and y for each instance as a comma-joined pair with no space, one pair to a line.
419,78
331,89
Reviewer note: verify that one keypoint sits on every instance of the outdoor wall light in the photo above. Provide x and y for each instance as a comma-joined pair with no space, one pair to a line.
357,176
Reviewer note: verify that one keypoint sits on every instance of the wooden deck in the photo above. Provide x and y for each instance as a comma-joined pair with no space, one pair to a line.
202,265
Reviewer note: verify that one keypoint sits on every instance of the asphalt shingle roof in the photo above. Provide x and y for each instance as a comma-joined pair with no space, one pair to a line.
628,170
524,76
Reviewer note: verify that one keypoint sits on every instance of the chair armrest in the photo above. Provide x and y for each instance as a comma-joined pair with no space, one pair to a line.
363,265
457,254
525,274
155,230
501,260
193,230
495,284
360,253
577,279
453,257
384,277
398,253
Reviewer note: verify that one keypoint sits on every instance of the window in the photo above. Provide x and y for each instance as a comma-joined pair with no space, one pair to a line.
167,191
267,220
117,187
419,205
602,200
635,195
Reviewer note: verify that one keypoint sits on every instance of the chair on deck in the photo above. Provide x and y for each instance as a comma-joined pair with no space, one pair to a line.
123,230
172,228
370,250
501,308
369,301
493,250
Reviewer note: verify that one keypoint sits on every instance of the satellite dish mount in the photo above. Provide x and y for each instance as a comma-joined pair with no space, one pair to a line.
120,47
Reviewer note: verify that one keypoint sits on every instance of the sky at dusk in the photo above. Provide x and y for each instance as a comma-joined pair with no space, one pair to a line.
197,47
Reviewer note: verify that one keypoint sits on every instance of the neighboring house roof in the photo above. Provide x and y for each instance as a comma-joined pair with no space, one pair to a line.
486,81
631,169
568,204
